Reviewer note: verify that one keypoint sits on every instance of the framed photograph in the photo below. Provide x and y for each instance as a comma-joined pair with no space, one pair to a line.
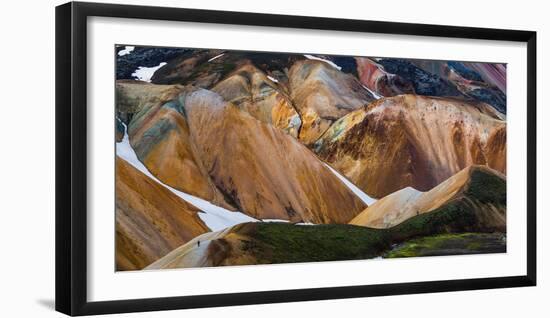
208,158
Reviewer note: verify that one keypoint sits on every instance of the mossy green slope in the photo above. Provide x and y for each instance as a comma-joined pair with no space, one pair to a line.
451,244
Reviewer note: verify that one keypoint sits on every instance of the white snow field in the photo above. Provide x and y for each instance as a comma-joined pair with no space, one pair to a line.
126,50
145,73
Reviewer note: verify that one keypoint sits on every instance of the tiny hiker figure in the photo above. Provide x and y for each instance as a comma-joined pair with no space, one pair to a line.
199,243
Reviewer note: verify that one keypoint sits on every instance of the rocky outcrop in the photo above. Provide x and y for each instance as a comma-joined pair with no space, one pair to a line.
133,96
205,68
322,94
492,74
193,68
150,220
481,189
484,82
252,91
423,82
144,56
374,76
413,141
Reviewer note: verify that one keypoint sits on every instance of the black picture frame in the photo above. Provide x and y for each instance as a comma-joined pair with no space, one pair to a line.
71,157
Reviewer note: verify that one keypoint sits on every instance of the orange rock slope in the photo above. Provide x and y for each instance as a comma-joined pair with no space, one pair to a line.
414,141
261,170
150,220
160,136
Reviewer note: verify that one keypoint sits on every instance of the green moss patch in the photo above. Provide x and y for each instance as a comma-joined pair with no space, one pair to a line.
288,243
451,244
487,188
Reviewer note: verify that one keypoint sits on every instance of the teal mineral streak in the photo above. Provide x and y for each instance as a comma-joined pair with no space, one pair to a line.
175,105
153,136
138,118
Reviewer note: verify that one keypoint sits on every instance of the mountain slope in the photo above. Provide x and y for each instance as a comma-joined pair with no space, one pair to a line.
261,170
462,187
150,220
160,136
414,141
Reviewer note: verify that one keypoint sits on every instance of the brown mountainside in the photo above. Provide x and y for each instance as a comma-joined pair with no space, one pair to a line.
413,141
150,220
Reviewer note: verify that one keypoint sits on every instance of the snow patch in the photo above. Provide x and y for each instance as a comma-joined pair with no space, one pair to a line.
275,220
126,50
358,192
215,57
215,217
331,63
272,79
373,93
285,221
145,73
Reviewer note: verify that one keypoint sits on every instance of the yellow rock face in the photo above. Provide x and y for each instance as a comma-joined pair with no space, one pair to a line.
150,220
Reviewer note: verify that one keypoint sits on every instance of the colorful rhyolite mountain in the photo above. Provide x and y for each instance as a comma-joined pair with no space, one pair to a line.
261,169
202,145
229,158
413,141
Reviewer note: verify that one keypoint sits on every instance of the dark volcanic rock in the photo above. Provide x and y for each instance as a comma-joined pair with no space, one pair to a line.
205,68
465,72
491,96
425,83
143,56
